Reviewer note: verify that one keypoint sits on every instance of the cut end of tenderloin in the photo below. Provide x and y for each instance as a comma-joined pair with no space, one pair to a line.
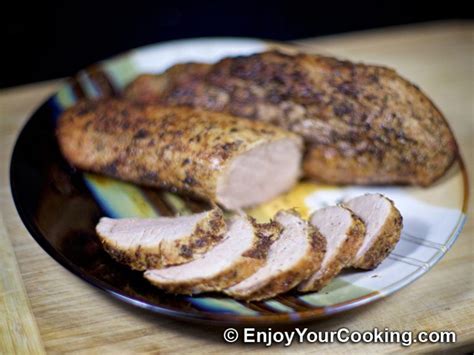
260,174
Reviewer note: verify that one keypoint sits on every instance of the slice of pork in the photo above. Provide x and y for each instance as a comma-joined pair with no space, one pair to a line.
145,243
239,255
344,233
383,224
294,256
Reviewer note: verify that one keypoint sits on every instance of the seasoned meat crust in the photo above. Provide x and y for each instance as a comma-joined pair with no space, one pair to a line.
293,256
362,124
215,156
222,266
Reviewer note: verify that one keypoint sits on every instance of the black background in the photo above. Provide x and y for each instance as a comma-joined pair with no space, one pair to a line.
44,40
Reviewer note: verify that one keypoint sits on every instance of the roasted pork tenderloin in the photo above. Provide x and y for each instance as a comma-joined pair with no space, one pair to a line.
362,124
224,159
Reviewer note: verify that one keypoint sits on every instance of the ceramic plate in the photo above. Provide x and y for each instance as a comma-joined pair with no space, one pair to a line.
60,207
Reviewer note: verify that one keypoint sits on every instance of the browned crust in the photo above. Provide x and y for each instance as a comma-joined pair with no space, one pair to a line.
363,124
136,259
398,153
207,233
287,280
140,87
145,88
172,147
344,257
266,233
244,266
384,242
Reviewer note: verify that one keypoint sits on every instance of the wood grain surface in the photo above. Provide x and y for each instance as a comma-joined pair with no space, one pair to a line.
44,308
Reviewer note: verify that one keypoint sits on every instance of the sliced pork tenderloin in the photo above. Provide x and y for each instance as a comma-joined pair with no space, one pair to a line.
242,252
145,243
344,233
294,256
383,224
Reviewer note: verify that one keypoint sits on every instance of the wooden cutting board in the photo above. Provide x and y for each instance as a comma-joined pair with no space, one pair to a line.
44,308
